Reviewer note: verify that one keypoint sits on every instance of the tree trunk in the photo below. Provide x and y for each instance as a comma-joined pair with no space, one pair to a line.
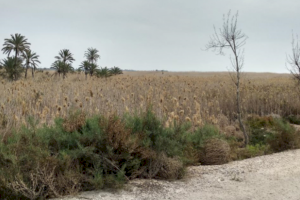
16,57
32,72
26,70
14,75
238,105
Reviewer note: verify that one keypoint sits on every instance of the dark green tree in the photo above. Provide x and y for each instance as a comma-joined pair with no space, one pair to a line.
93,68
12,67
115,71
92,55
64,61
85,66
17,43
62,68
31,60
90,65
65,56
103,73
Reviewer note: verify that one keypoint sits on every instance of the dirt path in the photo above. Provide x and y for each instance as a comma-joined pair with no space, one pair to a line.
275,177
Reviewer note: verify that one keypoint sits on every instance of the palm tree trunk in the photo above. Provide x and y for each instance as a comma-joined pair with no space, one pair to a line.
32,72
16,56
92,67
14,75
26,70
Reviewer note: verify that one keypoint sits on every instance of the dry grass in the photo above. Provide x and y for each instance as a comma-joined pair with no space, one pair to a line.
216,152
106,150
189,96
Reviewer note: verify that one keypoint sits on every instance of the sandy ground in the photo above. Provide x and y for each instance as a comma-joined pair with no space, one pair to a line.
275,177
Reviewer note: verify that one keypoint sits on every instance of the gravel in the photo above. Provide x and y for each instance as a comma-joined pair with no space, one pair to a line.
275,177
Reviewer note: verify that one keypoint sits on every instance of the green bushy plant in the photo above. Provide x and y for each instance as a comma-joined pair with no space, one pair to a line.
285,137
293,119
260,129
276,133
79,153
201,135
252,151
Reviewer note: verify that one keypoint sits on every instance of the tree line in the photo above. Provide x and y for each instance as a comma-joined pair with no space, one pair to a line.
24,58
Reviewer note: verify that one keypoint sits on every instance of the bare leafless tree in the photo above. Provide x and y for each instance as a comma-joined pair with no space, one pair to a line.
230,37
294,59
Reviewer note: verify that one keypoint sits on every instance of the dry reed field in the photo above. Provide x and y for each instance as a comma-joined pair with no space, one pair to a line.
62,136
175,97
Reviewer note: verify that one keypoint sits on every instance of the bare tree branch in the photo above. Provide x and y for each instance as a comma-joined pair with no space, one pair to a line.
230,37
294,59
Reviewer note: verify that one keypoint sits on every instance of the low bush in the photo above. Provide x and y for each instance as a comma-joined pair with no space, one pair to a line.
201,143
285,137
259,129
275,133
293,119
216,152
79,154
252,151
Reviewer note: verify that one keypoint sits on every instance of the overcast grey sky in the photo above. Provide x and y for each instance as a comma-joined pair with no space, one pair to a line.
153,34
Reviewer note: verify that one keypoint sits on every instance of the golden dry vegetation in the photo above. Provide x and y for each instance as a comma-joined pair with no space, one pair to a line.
175,97
85,151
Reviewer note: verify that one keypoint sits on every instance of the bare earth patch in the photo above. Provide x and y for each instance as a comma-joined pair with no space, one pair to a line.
275,177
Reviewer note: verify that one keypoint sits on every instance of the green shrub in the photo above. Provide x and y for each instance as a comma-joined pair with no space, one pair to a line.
285,137
155,136
201,135
276,133
79,153
293,119
195,142
252,151
260,129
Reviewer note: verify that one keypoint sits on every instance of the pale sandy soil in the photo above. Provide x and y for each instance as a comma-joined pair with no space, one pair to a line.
274,177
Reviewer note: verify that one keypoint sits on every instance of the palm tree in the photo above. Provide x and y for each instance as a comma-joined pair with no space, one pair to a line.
92,55
65,56
62,68
17,43
85,65
115,71
33,68
57,65
31,59
89,65
64,60
13,67
103,73
93,68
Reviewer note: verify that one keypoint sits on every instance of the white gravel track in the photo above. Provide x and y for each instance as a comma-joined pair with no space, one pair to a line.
274,177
